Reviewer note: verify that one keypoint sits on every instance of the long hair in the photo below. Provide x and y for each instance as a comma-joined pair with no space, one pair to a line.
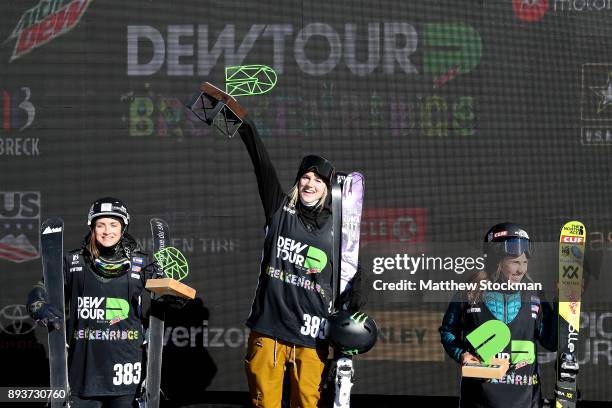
91,246
476,295
294,196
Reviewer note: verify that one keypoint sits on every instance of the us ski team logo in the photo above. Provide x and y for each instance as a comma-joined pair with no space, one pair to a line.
44,22
19,225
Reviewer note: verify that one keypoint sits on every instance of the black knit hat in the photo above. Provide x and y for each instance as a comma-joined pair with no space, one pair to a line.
319,165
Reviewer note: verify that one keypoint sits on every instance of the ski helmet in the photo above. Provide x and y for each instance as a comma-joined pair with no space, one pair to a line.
352,333
319,165
505,239
109,207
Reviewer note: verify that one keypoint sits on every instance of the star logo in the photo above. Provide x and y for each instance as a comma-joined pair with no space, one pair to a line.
596,96
604,93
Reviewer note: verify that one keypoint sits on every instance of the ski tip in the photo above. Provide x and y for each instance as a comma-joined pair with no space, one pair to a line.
356,175
50,225
157,221
574,222
573,228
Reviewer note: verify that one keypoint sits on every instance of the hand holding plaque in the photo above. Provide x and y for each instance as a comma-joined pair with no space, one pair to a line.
495,369
487,340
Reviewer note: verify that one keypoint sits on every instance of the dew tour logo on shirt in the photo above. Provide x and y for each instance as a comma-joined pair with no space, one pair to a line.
102,309
306,257
44,22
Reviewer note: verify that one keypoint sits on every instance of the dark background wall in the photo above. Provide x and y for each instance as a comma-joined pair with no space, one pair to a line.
460,114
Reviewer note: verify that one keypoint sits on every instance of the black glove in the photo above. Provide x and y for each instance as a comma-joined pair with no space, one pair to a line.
46,315
173,302
354,297
43,312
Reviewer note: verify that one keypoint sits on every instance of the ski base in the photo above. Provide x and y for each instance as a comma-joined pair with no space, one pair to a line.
52,248
572,243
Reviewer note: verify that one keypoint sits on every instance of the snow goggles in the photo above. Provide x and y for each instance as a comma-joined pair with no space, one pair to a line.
517,246
318,164
112,267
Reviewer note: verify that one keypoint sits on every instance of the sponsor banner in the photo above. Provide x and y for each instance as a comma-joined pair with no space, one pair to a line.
530,11
393,225
18,341
19,225
196,245
596,104
15,320
201,48
162,116
533,11
406,336
17,113
44,22
568,6
205,336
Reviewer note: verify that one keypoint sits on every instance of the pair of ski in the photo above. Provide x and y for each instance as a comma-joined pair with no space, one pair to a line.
347,203
172,263
572,245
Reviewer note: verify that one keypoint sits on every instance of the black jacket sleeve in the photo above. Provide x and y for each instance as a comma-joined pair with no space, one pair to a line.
451,329
547,325
270,190
355,297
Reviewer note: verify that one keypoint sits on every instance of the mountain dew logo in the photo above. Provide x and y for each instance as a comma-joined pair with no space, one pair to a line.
491,338
315,260
111,310
306,257
116,309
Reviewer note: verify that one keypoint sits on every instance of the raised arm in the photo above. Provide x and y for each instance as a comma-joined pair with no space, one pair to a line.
270,190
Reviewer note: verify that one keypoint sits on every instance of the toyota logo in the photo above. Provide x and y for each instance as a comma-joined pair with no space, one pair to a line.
14,320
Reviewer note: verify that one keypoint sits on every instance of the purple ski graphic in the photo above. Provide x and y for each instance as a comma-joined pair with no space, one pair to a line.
352,203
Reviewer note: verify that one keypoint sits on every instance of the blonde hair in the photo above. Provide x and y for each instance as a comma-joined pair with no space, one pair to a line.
294,196
476,295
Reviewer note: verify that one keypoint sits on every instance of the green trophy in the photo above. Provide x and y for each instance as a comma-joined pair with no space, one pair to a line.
174,265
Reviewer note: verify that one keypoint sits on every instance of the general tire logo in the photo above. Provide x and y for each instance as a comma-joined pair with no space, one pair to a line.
19,225
14,320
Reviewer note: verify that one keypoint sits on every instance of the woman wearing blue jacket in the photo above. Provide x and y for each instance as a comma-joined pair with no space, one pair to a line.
529,319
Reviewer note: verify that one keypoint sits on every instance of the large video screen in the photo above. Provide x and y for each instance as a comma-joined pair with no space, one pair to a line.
459,114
